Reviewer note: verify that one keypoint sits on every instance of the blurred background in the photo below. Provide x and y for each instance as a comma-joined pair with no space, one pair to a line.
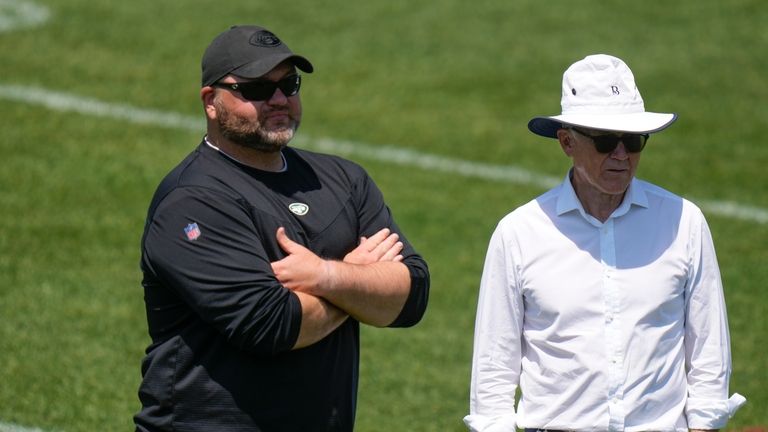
98,100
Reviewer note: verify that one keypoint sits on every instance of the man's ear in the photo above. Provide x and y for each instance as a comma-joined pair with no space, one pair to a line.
566,140
207,95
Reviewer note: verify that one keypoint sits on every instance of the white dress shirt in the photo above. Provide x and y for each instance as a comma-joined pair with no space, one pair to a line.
614,326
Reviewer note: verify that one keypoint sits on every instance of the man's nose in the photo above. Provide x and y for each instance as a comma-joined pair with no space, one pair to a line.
278,98
620,152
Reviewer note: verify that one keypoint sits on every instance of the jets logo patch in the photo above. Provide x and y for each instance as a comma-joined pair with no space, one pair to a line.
264,38
299,209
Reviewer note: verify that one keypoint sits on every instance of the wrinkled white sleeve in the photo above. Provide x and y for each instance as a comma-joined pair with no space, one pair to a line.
707,342
497,346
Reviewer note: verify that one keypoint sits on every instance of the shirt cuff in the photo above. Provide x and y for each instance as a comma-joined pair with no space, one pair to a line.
710,413
481,423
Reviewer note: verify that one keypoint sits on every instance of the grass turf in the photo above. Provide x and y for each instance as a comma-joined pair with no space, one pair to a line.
451,78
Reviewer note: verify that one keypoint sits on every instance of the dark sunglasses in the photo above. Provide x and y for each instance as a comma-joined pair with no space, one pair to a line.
261,90
634,143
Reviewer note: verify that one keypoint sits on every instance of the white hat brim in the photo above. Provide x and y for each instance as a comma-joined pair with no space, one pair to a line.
640,122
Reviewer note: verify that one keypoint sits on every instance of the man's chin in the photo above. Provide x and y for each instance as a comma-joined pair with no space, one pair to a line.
269,142
279,138
266,146
279,135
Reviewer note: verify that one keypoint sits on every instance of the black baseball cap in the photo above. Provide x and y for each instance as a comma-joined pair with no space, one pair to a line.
247,51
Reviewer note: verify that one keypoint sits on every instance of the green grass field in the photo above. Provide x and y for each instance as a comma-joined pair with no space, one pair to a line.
447,78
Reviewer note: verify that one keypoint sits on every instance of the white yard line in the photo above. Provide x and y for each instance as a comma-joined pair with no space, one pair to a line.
60,101
10,427
19,14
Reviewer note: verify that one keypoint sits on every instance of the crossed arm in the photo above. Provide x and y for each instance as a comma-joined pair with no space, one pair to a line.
371,284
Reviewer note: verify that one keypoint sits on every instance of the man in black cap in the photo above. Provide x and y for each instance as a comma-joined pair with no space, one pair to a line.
260,261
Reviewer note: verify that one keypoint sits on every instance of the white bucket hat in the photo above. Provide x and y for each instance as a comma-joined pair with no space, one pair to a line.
599,92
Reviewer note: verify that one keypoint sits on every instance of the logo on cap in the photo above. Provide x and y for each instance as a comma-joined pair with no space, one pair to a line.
264,38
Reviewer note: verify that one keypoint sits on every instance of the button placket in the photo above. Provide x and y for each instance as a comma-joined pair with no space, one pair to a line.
612,306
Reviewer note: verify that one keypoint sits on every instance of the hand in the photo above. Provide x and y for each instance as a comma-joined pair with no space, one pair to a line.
371,284
302,270
382,246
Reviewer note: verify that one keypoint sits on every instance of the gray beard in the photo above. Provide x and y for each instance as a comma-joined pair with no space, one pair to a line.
251,134
266,142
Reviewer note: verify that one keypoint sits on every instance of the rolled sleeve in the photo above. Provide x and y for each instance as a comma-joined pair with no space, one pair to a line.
480,423
416,304
712,414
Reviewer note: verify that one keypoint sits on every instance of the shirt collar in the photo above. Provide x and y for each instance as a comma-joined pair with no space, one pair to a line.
567,200
213,146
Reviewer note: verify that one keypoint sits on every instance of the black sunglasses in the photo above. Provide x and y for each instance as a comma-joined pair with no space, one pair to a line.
634,143
261,90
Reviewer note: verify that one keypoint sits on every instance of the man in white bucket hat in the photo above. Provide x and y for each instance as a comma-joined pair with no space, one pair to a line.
601,300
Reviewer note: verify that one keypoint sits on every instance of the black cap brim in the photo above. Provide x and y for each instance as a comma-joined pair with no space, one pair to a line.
261,67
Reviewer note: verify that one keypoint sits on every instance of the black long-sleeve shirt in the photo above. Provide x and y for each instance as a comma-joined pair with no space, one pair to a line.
221,324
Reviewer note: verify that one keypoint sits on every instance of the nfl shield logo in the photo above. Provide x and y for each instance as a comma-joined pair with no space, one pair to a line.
192,231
